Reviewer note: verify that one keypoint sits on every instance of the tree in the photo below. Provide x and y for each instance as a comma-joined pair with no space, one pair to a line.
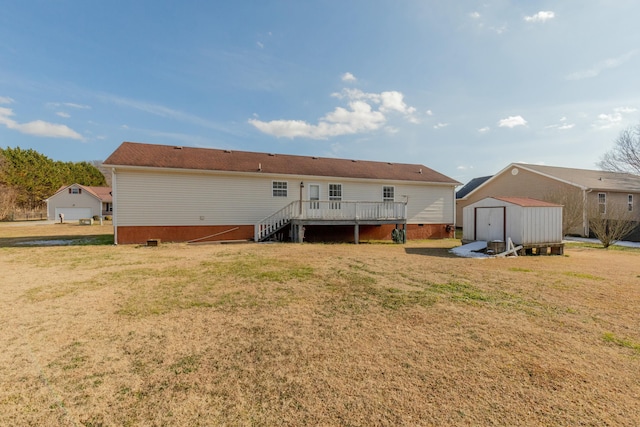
625,154
35,177
572,201
613,224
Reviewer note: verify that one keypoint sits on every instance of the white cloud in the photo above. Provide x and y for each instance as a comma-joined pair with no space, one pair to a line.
440,125
625,110
563,125
63,114
484,129
474,15
512,121
429,113
348,77
567,126
541,16
360,116
260,45
161,111
37,127
6,100
601,66
607,121
69,105
394,101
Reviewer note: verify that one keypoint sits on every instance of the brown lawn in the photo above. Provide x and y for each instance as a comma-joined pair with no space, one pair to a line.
287,334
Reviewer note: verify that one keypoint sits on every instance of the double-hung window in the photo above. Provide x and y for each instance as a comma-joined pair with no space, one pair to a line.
602,203
388,193
279,188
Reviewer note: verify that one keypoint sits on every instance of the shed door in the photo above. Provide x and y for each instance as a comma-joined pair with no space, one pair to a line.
490,224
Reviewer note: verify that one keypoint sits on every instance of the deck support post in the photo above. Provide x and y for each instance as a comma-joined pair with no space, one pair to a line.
356,233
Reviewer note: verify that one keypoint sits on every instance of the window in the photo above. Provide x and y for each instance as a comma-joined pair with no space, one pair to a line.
335,195
75,190
602,202
630,202
388,194
279,188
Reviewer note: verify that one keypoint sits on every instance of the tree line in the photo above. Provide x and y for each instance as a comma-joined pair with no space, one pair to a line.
27,178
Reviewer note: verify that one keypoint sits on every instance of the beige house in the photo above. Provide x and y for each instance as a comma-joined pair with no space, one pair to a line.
195,194
77,201
550,183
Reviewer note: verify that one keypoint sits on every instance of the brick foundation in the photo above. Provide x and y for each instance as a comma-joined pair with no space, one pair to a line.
313,233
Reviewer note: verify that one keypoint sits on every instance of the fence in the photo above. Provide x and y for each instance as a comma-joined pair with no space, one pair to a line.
26,216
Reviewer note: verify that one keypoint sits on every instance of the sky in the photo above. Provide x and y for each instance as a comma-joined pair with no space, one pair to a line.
463,87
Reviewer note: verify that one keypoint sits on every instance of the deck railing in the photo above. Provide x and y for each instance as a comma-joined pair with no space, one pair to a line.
332,210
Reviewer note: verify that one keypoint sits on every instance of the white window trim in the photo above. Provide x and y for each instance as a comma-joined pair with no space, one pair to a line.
630,202
393,187
602,207
274,189
329,191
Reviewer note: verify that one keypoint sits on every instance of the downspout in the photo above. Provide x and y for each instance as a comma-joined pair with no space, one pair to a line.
114,215
585,218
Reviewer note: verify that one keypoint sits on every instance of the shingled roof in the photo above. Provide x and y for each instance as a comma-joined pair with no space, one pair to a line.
133,154
527,202
589,179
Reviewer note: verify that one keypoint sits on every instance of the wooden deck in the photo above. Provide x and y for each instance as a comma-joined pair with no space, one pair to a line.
322,212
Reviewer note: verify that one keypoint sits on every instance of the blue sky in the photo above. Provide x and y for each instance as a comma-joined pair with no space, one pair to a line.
463,87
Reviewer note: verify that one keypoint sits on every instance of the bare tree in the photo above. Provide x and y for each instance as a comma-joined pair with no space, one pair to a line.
572,201
8,197
613,224
625,154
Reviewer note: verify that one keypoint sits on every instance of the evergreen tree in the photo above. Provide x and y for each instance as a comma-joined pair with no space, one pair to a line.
34,177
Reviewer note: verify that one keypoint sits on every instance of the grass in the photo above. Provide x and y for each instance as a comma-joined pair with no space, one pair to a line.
287,334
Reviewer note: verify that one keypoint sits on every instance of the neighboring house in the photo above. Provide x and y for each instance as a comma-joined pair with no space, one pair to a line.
549,183
77,201
196,194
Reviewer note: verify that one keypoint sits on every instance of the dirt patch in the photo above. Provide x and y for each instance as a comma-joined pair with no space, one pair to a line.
289,334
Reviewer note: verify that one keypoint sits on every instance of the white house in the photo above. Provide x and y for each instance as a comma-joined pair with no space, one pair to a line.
77,201
175,193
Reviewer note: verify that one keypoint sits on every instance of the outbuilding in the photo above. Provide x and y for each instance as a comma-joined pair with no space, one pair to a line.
534,224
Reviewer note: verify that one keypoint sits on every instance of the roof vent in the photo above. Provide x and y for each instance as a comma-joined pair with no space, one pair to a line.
600,178
272,155
420,170
260,167
354,161
227,151
178,147
314,158
389,163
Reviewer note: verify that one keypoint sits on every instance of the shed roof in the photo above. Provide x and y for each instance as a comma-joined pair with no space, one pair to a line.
527,202
175,157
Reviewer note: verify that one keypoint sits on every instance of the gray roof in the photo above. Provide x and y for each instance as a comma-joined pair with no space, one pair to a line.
589,179
471,185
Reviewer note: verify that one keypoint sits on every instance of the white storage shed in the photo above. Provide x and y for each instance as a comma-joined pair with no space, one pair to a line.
528,222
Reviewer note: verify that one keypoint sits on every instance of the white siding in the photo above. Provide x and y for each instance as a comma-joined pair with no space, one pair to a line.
65,200
524,224
185,198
